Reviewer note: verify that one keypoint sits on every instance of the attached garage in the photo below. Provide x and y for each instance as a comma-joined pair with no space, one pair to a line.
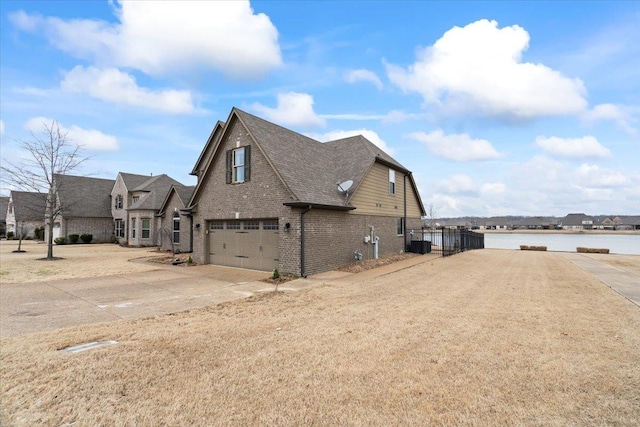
249,244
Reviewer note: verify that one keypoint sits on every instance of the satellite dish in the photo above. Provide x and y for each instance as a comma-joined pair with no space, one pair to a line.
343,187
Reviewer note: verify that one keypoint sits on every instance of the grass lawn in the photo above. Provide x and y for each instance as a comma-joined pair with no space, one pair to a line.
482,338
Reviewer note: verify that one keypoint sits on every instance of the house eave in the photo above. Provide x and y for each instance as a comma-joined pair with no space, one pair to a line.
299,204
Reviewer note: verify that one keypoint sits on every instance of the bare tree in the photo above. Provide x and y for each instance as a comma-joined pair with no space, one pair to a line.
431,217
49,153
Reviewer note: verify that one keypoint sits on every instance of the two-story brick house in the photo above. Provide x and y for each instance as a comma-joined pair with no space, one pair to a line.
268,197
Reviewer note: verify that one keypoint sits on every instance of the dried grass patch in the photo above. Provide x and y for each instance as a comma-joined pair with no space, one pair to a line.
359,266
480,338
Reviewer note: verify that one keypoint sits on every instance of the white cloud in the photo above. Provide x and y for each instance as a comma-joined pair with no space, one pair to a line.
479,69
294,109
90,139
369,134
594,176
585,147
615,113
493,188
458,147
115,86
1,127
361,75
458,183
169,36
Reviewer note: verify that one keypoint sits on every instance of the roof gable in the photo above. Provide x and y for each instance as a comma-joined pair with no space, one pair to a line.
28,206
4,205
183,193
156,188
208,149
131,180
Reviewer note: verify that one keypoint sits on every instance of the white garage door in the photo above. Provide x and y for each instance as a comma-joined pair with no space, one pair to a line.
246,244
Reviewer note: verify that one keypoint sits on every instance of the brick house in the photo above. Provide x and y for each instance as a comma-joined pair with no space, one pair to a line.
136,202
268,197
85,207
4,205
25,213
177,228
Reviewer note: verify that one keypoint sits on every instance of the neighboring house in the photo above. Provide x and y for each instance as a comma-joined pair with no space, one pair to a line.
85,207
137,200
269,198
628,223
497,223
536,223
577,221
456,224
25,213
4,205
177,228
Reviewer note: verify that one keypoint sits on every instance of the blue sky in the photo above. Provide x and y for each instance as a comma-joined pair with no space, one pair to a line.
498,108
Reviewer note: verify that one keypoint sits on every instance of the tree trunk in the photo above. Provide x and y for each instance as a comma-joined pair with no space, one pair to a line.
50,209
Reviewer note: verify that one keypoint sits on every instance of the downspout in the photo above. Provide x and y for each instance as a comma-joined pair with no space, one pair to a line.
404,228
190,233
302,269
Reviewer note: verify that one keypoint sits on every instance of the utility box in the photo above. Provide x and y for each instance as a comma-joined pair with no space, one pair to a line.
420,247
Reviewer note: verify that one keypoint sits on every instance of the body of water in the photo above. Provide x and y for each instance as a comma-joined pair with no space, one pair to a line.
628,244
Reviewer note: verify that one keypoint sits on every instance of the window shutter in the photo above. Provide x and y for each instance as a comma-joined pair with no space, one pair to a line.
247,163
229,166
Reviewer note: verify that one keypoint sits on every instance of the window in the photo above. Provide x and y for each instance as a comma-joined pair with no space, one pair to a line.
270,225
133,228
238,165
400,226
119,228
216,225
252,225
135,198
392,181
176,227
146,225
119,201
235,225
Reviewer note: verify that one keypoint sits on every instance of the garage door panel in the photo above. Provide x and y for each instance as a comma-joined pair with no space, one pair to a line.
250,246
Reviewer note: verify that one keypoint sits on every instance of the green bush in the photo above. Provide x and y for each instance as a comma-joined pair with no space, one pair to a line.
114,239
276,274
86,238
38,233
60,240
73,238
189,260
10,235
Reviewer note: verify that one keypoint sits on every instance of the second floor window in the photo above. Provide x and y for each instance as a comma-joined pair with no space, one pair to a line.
238,165
392,181
119,201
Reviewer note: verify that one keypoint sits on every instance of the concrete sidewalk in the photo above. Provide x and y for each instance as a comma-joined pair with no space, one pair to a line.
625,282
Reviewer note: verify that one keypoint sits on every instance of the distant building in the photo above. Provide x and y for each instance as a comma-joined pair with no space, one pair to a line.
577,221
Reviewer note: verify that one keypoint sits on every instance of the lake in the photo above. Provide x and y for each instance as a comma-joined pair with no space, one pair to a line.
628,244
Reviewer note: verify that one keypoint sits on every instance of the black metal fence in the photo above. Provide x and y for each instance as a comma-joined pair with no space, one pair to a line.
444,241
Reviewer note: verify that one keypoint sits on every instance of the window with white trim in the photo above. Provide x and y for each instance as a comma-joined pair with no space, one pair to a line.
176,227
119,199
392,181
400,226
133,228
238,165
146,228
119,228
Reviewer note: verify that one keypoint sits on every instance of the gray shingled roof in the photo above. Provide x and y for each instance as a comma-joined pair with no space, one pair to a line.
29,206
156,188
574,219
184,193
208,149
84,197
311,169
4,204
132,180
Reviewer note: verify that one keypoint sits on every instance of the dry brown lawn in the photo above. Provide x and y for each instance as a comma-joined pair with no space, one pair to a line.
481,338
76,261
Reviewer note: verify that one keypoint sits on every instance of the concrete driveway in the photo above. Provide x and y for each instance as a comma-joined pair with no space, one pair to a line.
34,307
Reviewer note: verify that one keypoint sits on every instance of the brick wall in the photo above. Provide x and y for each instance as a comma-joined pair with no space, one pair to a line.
100,228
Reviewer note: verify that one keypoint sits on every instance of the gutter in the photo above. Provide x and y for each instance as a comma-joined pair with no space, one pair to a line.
302,254
404,228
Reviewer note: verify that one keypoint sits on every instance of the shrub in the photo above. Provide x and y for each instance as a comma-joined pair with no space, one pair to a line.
276,274
114,239
38,233
10,235
60,240
189,260
73,238
86,238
